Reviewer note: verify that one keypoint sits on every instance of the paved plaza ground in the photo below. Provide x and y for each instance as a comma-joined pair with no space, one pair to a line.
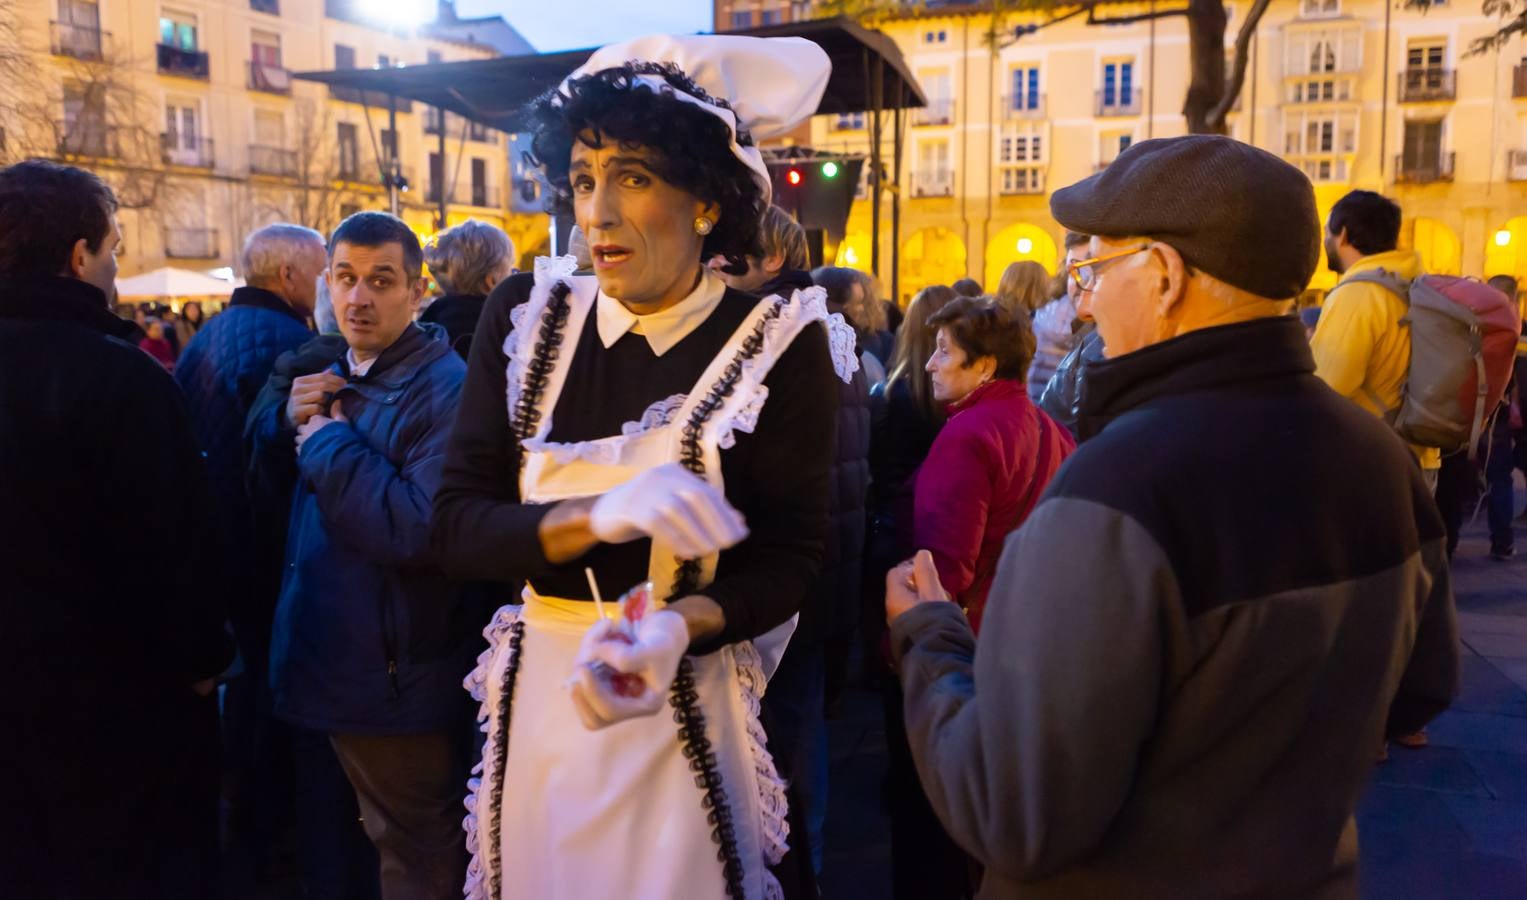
1446,822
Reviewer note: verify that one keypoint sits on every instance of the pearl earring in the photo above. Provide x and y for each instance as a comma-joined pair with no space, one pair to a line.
703,225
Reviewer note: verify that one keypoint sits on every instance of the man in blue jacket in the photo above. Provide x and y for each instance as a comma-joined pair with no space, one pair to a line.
371,640
220,371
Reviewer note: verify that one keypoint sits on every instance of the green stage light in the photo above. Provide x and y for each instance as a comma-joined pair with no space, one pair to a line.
829,170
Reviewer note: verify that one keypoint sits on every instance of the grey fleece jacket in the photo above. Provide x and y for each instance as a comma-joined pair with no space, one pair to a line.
1195,644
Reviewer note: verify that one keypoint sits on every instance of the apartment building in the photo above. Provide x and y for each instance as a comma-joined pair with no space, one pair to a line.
1398,107
189,108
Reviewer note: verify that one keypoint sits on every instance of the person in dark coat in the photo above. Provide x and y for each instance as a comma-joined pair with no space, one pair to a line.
797,697
371,639
110,751
466,260
1199,636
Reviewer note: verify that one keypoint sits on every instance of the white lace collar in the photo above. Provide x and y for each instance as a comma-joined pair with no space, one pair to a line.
661,329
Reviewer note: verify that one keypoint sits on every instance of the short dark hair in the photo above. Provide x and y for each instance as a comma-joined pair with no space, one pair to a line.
837,281
1372,222
692,148
982,327
45,208
967,287
1506,284
1076,239
375,229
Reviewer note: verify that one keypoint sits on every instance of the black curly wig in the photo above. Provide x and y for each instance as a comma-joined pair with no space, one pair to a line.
691,148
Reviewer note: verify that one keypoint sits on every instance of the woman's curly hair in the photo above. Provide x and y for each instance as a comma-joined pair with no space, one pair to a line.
691,148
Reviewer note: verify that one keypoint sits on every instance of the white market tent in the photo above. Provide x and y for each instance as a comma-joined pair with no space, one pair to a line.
167,283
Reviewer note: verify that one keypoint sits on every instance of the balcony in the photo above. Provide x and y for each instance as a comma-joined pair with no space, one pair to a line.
1516,165
1016,181
89,140
78,41
1017,108
1427,85
933,184
1519,82
277,161
182,63
373,99
269,79
190,151
190,243
1431,170
1113,104
939,111
272,7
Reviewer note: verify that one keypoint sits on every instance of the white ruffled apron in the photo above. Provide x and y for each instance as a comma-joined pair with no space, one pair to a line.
558,812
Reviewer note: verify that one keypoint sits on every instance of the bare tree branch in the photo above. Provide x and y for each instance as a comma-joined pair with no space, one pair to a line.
1242,56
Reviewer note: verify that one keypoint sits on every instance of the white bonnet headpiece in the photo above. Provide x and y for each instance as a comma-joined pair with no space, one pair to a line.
772,84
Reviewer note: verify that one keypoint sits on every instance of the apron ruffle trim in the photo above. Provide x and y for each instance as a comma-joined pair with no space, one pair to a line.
773,803
503,632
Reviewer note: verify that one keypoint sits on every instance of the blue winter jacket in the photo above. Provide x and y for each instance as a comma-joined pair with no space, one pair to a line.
370,637
221,371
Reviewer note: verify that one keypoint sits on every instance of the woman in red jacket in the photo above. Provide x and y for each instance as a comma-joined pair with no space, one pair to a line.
994,456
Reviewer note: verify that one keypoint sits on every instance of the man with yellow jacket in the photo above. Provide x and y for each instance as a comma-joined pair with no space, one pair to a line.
1362,344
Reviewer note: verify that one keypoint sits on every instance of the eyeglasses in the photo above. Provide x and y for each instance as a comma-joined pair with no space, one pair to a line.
1085,271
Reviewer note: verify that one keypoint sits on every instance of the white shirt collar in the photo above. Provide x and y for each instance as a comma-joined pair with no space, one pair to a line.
358,368
661,329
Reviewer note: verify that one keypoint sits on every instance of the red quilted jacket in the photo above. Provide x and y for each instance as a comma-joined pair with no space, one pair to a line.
985,472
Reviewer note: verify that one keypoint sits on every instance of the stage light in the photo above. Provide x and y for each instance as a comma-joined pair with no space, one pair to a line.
1503,238
829,170
793,176
1025,245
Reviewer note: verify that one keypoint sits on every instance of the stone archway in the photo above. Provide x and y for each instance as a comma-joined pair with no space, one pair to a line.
930,256
1017,243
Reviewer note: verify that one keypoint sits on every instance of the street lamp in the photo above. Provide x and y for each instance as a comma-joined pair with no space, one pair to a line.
1503,238
1025,246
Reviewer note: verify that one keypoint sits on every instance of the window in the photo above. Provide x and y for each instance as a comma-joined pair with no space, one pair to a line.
1014,148
1427,54
1325,90
853,121
181,127
178,30
1324,51
269,128
1023,90
769,17
1319,9
1422,145
933,177
344,57
936,36
1321,143
383,61
1118,83
479,182
1023,181
79,29
436,177
348,151
265,49
387,143
477,131
742,19
938,88
84,120
1112,143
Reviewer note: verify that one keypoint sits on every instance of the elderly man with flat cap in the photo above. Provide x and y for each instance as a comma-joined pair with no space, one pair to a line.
1190,707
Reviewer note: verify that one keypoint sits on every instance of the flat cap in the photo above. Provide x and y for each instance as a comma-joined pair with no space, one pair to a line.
1240,214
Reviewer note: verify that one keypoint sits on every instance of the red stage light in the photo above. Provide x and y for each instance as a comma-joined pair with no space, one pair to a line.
793,176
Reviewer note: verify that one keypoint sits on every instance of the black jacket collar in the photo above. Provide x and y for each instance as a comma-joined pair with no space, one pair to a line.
260,297
1197,361
62,300
787,282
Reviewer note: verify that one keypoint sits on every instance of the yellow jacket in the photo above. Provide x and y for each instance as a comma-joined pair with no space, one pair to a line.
1361,344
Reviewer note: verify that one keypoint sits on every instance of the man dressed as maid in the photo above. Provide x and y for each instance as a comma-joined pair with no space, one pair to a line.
646,424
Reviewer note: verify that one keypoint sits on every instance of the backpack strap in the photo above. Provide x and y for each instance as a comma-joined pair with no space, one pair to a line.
1396,285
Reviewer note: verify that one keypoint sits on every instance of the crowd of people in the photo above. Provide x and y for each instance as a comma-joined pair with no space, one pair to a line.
545,586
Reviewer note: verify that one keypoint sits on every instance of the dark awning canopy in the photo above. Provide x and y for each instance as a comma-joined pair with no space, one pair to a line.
494,92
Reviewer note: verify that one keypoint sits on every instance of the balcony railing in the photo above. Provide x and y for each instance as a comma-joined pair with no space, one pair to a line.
373,99
1423,171
78,41
1519,81
182,63
266,6
89,140
933,184
1119,103
190,243
1427,85
278,161
192,151
1031,106
1516,165
939,111
1022,181
269,79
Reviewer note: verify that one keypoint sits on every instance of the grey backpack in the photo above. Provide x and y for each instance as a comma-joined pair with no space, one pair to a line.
1462,346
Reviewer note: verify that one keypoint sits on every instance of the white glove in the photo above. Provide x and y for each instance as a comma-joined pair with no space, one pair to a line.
614,680
672,506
